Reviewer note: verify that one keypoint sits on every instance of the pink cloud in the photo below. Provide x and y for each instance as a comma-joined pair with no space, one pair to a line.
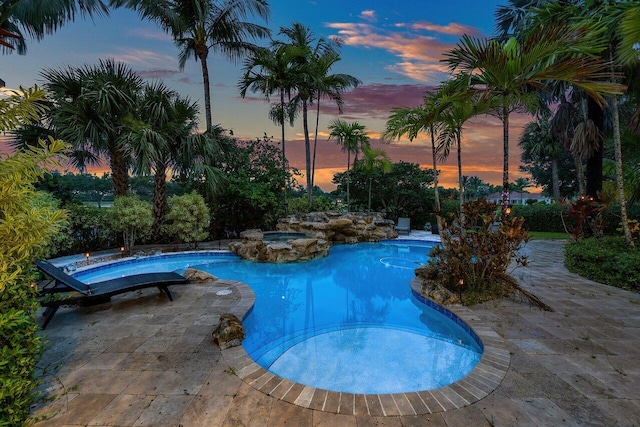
419,55
369,15
452,29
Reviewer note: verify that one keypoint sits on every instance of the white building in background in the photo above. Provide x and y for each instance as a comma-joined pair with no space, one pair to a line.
520,198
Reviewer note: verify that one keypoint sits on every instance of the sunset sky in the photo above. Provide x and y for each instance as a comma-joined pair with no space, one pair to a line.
393,47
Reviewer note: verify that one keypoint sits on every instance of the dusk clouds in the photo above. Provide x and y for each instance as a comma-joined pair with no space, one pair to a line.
418,46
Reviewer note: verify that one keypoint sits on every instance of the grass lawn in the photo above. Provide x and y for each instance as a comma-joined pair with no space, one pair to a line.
546,235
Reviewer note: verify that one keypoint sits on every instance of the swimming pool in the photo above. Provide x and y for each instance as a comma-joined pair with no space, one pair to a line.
348,322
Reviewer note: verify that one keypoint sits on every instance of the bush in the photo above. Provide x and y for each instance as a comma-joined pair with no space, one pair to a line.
608,260
133,218
89,230
188,218
473,261
29,221
542,217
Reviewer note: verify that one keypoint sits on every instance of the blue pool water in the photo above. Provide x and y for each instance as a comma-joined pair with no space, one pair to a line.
348,322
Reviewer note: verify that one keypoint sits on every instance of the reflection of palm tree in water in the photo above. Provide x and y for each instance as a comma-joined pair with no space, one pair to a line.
361,313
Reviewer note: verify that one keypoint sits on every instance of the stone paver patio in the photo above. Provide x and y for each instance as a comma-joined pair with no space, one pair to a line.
144,361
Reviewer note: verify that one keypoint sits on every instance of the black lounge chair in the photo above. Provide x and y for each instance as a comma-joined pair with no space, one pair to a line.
97,292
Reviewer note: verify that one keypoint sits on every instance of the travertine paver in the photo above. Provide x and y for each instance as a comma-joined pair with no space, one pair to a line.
144,361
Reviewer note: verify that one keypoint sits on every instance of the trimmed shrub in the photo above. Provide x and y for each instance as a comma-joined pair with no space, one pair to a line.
188,218
542,217
133,218
608,260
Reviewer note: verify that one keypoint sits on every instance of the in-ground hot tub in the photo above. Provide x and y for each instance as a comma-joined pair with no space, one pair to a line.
281,236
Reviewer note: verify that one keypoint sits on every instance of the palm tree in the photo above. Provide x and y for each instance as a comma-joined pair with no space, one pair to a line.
538,141
351,136
306,82
272,71
457,108
199,27
373,160
506,71
413,121
37,18
91,106
331,86
162,135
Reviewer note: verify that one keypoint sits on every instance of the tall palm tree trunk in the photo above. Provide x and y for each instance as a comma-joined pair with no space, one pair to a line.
348,176
594,163
505,143
619,179
580,175
119,173
315,143
461,185
284,156
555,180
202,55
307,148
369,207
159,199
435,179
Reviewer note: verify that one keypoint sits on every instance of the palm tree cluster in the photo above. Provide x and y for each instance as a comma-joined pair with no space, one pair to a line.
297,71
545,51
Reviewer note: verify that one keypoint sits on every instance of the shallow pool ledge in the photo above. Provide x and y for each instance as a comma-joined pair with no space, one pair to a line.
481,381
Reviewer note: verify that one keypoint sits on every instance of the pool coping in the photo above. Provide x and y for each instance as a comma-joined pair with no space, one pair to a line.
484,378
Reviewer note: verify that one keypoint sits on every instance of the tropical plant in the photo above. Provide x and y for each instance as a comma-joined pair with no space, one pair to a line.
373,160
331,86
272,71
456,109
403,192
163,135
413,121
91,106
312,80
505,71
37,18
133,218
538,141
29,222
188,218
251,196
352,137
199,27
475,266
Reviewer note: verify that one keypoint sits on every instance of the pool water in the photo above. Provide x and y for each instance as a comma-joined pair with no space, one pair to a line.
348,322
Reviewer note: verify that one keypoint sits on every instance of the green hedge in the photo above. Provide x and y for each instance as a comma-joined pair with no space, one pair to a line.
542,217
608,260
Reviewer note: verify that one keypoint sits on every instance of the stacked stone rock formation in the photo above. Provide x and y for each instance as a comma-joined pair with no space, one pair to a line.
340,227
254,248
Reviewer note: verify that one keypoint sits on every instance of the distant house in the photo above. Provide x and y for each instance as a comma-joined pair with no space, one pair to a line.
520,198
2,83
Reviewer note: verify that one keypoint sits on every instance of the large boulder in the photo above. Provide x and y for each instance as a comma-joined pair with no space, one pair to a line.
431,288
229,332
198,276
